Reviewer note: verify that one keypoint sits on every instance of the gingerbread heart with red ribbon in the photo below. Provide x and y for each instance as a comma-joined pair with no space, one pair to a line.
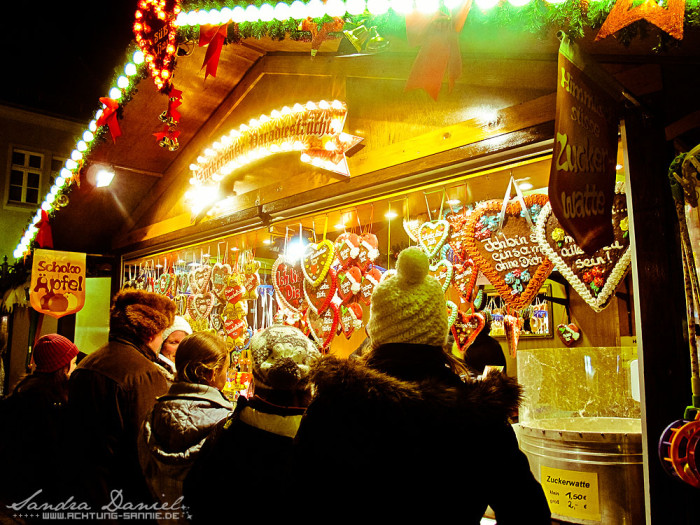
316,261
369,280
513,326
219,278
200,279
466,327
347,248
288,282
510,256
369,251
323,326
433,235
443,273
349,283
319,297
568,333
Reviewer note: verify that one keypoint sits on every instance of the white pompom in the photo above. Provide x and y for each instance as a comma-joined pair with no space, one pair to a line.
412,265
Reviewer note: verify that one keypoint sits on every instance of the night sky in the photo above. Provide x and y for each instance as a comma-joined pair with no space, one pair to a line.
60,57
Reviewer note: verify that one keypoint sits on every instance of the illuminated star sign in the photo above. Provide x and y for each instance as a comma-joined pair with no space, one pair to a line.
314,129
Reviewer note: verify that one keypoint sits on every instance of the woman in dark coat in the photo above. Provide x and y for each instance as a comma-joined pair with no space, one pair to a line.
403,430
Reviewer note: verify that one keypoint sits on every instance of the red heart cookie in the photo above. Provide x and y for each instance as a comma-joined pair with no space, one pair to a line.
568,333
235,328
369,281
347,248
432,235
200,279
317,260
513,327
287,281
349,283
443,272
594,276
466,327
368,251
323,326
319,297
510,257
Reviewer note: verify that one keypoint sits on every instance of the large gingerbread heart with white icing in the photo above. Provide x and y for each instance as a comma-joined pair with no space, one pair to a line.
317,260
443,272
200,278
323,326
433,235
288,281
509,257
319,297
594,276
466,327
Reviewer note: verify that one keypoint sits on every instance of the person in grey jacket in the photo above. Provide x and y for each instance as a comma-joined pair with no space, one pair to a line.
175,430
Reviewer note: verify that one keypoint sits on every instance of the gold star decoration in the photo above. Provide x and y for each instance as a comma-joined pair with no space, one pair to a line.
669,19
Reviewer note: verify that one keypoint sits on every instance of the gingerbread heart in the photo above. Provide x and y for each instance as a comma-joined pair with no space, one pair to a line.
182,282
368,251
568,333
369,280
219,278
411,228
464,279
200,305
287,281
594,276
432,235
319,297
234,293
235,328
348,319
215,320
347,248
513,326
323,325
317,260
510,257
349,283
200,279
457,232
466,327
164,284
451,313
443,272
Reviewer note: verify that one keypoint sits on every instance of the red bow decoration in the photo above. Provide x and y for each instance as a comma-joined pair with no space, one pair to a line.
213,37
109,117
319,36
167,132
44,238
174,102
438,36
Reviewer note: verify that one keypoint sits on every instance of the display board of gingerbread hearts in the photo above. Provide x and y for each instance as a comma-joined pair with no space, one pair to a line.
369,251
513,327
433,235
370,280
466,327
349,283
568,333
323,326
510,256
347,248
219,278
319,297
199,278
594,276
443,272
288,281
316,261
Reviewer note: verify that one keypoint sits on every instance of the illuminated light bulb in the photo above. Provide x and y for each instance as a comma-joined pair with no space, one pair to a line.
234,134
202,17
66,173
264,119
138,57
253,123
243,128
427,7
76,156
181,20
267,12
305,157
92,126
138,27
216,177
286,146
217,146
525,186
298,10
201,159
618,167
238,14
311,106
275,114
193,181
252,13
60,181
298,108
454,202
356,7
194,167
115,93
225,140
402,7
486,4
81,146
378,7
345,137
88,136
286,110
123,82
50,198
274,148
71,164
518,3
165,73
265,241
336,125
17,253
555,2
282,12
46,206
391,215
330,146
298,145
335,8
324,105
315,9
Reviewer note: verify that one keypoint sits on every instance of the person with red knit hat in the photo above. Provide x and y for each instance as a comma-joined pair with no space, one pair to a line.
33,445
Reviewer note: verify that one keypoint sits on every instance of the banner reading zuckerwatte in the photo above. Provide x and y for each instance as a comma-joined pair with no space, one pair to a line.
58,282
582,177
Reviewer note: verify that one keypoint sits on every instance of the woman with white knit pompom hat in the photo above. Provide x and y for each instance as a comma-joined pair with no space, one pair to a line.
403,431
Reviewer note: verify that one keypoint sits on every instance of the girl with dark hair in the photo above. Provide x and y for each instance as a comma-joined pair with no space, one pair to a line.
174,431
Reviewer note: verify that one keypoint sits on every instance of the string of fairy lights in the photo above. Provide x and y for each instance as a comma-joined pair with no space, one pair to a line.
190,16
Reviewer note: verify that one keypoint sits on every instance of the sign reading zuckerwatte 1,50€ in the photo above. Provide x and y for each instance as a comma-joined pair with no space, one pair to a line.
582,177
58,282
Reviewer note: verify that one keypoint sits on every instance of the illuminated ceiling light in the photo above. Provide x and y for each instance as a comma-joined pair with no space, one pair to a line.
267,12
525,186
295,250
454,202
267,241
298,10
315,9
103,177
356,7
391,214
88,136
130,69
486,4
403,7
378,7
138,57
115,93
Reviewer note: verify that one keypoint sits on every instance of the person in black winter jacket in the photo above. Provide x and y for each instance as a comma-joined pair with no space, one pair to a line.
403,431
484,350
247,458
34,453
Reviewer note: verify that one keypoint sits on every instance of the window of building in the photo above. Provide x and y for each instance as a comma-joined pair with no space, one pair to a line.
25,176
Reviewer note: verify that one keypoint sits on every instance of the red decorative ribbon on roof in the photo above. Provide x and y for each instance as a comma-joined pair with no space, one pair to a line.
109,117
213,37
438,36
44,237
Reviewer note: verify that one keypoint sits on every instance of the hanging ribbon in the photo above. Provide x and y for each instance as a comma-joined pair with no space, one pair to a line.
213,37
109,117
438,36
174,101
519,197
319,36
44,237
